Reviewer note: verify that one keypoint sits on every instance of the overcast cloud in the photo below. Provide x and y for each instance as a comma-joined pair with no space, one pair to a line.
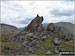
20,13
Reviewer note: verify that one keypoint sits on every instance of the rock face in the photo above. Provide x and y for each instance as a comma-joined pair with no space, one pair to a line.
35,24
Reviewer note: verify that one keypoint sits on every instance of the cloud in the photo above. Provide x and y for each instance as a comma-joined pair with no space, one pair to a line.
59,13
20,13
27,21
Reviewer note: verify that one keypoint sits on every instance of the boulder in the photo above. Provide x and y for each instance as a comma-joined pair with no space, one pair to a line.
68,37
51,27
27,44
30,37
30,49
43,38
34,43
55,29
57,41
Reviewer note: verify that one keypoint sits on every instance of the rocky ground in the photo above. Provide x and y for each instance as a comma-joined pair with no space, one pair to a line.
36,39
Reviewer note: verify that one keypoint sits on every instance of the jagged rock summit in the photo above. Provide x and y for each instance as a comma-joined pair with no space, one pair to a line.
35,24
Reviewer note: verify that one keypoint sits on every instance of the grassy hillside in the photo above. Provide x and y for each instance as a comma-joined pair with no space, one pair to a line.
68,26
8,28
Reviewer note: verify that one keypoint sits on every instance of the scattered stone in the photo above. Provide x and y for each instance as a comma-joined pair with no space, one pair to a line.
34,43
30,49
68,37
57,41
57,49
43,38
71,42
48,52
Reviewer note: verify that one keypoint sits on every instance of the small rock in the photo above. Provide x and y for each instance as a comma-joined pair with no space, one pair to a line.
51,27
43,38
30,50
48,52
34,43
68,37
57,41
57,49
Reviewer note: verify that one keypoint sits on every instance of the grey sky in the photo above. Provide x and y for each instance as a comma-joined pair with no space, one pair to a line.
20,13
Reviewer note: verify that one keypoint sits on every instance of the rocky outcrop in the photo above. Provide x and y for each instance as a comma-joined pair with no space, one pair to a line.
33,36
35,24
60,31
53,28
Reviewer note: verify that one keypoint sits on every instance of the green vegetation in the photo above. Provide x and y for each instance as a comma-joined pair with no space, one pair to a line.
8,47
40,52
48,43
66,47
8,35
46,46
61,36
38,34
68,26
10,44
22,53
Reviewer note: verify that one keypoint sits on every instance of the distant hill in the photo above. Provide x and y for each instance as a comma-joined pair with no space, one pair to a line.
67,25
21,29
7,31
8,28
